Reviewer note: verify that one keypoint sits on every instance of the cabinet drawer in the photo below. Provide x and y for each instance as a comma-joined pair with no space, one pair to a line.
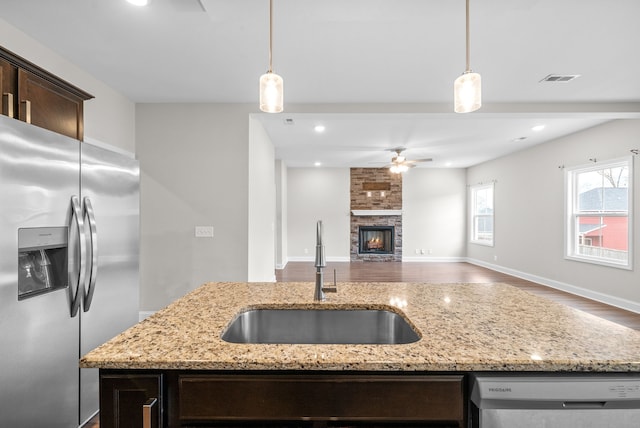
337,397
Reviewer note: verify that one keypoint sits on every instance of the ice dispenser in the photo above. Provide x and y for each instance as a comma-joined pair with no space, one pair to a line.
42,260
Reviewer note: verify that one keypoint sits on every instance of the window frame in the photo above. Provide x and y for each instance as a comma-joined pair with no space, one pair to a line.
473,191
572,235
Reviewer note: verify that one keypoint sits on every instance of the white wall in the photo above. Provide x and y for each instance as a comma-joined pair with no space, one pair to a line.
433,204
261,245
318,194
281,214
108,118
529,214
194,164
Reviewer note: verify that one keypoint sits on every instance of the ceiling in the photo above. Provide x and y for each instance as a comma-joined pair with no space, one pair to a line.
378,74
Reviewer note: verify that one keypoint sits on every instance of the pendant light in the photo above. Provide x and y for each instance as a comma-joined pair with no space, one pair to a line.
271,85
467,89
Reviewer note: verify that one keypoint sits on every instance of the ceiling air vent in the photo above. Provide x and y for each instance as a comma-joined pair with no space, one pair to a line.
289,121
562,78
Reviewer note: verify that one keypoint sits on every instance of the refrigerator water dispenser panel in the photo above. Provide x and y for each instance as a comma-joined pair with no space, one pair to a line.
42,260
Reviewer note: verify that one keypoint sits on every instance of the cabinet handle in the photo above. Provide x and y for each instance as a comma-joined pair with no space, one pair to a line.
25,111
7,104
147,412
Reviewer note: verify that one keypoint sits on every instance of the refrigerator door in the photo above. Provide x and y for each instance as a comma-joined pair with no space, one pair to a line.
110,194
39,172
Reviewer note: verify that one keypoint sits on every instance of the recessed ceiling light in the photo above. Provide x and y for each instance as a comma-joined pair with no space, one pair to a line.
318,164
515,140
139,2
538,128
319,128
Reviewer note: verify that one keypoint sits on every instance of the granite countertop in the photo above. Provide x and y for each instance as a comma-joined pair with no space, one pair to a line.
464,327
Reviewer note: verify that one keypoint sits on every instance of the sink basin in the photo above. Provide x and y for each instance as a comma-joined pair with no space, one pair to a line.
320,326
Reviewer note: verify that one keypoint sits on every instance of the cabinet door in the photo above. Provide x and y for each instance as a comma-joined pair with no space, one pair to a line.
48,106
8,88
131,401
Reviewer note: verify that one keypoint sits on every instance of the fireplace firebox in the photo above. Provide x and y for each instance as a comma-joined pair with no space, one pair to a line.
375,239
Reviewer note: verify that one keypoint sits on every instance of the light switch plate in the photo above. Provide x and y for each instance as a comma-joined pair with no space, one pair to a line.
204,231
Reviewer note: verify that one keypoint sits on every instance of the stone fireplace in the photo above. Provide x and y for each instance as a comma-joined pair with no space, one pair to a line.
376,239
376,215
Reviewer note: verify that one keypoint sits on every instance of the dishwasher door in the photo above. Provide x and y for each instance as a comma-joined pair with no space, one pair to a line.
564,401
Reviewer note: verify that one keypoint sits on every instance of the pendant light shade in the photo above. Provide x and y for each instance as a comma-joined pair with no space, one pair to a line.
271,85
271,93
467,89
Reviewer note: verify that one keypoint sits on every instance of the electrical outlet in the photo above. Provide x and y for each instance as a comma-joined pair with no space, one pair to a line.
306,251
417,251
430,251
422,251
204,232
495,258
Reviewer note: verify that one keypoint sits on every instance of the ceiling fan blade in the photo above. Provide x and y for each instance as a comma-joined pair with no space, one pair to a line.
419,160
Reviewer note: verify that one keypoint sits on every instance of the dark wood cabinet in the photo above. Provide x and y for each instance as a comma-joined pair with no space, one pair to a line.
35,96
131,401
8,87
296,399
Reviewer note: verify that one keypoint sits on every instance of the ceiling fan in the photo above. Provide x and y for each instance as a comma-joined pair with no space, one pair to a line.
400,164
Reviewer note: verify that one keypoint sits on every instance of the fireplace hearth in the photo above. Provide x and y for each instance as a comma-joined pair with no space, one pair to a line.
376,239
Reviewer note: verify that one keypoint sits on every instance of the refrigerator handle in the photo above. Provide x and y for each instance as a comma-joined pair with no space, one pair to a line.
76,282
90,281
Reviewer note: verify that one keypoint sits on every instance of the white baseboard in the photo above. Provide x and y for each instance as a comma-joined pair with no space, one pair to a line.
312,259
569,288
432,259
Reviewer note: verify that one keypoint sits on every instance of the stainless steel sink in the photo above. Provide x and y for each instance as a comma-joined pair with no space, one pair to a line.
320,326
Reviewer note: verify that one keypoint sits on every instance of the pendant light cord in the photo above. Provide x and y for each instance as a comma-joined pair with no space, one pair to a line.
271,35
468,38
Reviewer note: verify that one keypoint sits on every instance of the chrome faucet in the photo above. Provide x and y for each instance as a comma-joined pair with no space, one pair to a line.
320,264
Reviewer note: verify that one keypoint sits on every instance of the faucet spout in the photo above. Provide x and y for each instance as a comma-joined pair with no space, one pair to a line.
320,264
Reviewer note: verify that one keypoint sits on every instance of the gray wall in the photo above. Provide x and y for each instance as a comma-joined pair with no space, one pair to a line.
261,257
193,159
318,194
434,214
529,214
282,231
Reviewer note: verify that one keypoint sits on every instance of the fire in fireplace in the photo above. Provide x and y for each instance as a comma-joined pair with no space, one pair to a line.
375,239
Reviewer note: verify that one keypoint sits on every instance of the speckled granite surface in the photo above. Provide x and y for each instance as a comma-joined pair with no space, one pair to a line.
464,327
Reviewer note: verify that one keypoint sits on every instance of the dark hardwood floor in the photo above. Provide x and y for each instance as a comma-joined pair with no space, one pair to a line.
449,272
93,423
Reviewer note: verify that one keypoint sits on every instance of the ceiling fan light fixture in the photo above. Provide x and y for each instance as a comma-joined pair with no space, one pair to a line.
399,168
139,2
271,84
467,89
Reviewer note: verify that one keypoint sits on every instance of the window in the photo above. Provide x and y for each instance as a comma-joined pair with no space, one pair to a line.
598,201
482,214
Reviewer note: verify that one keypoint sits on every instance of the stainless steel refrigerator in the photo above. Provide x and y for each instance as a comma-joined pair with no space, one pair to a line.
69,256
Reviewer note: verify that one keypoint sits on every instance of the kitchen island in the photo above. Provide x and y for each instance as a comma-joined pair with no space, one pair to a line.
177,355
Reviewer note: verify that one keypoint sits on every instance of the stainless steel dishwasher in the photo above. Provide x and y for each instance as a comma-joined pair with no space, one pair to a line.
564,401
